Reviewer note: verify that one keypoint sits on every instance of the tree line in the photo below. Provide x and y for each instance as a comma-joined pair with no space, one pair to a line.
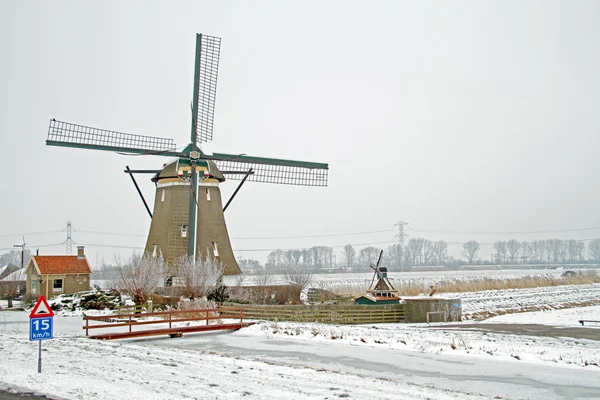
421,251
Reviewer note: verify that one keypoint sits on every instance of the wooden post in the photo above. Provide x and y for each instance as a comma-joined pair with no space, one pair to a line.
169,319
206,317
130,323
87,321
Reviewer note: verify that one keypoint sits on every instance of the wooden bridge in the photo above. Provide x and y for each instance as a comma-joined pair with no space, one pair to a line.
170,323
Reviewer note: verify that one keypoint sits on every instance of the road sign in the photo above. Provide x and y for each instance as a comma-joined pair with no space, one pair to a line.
41,325
41,328
41,309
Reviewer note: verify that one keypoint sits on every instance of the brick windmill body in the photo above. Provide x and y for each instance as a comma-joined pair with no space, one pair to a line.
188,215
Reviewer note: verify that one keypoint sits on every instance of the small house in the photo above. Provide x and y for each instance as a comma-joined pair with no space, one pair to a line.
54,275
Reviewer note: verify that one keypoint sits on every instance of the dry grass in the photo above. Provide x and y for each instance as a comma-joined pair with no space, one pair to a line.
413,288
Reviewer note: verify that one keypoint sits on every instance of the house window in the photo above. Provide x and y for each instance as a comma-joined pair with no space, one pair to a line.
184,229
215,249
207,194
58,286
162,196
34,286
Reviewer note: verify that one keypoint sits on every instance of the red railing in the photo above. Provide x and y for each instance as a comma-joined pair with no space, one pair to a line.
164,317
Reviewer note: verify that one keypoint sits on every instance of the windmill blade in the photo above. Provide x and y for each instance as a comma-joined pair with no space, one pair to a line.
272,170
65,134
206,72
379,259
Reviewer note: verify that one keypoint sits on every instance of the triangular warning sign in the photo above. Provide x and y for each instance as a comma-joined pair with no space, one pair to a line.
41,309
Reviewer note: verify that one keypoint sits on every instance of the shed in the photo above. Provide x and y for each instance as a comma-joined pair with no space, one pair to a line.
54,275
381,298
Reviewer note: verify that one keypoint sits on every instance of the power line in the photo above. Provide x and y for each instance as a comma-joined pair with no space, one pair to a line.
313,236
36,246
242,238
109,233
504,232
30,233
109,246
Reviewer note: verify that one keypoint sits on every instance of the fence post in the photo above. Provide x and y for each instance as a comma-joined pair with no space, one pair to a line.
130,323
169,319
87,321
150,305
207,317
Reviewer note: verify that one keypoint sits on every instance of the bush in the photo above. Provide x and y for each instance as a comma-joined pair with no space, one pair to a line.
219,294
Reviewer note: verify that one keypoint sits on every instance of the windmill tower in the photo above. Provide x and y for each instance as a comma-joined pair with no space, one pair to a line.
188,214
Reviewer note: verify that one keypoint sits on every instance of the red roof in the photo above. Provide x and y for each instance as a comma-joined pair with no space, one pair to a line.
62,265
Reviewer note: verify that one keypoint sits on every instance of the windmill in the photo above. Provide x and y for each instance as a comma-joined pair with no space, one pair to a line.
188,214
382,292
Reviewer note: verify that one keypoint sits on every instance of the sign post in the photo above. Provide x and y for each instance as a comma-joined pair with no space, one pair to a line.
41,325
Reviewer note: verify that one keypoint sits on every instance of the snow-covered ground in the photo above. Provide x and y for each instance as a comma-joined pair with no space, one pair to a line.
292,360
76,367
496,302
425,278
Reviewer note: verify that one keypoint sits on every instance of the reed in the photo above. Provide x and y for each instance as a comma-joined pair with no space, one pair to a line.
414,287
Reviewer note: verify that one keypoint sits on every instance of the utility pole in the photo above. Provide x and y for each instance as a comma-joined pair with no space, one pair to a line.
400,236
22,246
69,241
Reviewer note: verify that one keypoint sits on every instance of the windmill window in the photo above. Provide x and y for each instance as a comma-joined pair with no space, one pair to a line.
184,230
207,194
57,287
162,196
215,249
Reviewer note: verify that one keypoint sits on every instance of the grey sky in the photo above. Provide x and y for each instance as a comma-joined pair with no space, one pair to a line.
465,116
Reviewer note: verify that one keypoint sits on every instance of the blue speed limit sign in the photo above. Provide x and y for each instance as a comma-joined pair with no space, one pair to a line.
40,328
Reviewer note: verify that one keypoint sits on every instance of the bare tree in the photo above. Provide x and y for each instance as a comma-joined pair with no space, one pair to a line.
369,255
427,251
581,251
572,250
526,251
413,251
440,251
549,250
140,276
513,246
13,285
197,278
594,250
299,275
395,254
470,250
349,254
537,250
264,278
500,248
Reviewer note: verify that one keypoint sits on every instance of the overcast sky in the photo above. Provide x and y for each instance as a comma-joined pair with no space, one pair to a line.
473,116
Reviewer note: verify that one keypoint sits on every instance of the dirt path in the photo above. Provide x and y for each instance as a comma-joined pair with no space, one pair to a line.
529,330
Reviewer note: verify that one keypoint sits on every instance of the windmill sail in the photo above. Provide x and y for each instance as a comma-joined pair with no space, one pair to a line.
65,134
272,170
205,86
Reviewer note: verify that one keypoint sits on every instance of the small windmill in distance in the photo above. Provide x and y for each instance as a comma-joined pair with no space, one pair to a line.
188,213
382,292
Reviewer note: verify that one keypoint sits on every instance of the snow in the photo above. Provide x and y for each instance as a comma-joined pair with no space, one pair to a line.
310,361
79,368
564,318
